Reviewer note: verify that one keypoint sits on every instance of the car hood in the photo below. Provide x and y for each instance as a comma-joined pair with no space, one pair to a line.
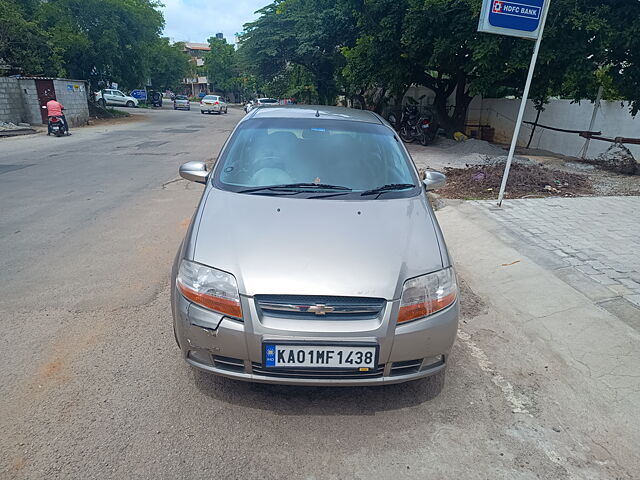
288,246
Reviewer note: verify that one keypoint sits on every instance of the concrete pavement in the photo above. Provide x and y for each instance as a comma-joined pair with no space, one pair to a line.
556,355
93,385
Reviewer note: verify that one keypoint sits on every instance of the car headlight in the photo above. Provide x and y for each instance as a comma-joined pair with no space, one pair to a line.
210,288
428,294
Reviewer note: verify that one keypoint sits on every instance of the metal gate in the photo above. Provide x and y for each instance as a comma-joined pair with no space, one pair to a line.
46,92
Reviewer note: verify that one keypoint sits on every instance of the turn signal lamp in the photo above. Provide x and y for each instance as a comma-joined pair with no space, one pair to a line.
209,288
428,294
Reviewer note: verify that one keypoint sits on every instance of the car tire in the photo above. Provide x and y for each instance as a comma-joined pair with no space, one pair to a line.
102,103
202,112
175,108
130,104
225,110
175,335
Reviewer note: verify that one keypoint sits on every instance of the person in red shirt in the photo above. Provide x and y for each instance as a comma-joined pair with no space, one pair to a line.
54,109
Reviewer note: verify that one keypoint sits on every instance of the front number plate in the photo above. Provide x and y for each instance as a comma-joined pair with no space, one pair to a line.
319,356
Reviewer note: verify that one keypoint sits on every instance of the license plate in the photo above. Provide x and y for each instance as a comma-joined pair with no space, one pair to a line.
319,356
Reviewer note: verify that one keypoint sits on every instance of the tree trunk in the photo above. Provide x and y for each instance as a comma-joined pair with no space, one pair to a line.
380,101
455,120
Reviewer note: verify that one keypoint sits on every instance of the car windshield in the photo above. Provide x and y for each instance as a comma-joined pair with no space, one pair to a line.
309,157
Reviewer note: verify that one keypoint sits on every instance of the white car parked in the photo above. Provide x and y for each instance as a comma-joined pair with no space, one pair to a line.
260,102
213,104
115,97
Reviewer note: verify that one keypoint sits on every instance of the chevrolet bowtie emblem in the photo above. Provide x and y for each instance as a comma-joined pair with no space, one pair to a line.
320,309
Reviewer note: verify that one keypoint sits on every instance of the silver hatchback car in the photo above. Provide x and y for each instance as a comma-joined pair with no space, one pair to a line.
314,257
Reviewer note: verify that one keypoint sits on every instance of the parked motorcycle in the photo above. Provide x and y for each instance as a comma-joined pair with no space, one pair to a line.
416,126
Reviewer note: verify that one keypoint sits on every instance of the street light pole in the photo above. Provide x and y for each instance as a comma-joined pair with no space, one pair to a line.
523,103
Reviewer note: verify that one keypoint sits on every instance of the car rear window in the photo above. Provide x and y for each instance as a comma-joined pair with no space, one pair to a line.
210,97
275,151
181,97
268,100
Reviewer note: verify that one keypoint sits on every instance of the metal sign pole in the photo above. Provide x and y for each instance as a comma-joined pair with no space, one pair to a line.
523,104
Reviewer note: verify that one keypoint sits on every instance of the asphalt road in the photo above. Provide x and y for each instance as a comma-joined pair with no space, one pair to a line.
93,386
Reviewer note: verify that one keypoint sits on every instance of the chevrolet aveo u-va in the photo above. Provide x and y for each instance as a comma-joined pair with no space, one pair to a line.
314,257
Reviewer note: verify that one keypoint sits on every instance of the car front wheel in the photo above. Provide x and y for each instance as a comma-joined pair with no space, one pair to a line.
130,104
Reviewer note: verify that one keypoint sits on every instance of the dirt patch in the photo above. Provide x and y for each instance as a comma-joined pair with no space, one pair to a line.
101,122
525,180
471,305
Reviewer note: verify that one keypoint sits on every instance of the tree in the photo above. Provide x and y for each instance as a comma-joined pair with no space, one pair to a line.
435,43
169,66
309,33
104,40
221,65
623,49
25,48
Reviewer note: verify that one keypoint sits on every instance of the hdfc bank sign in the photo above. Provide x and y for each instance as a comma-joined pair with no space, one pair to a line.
520,18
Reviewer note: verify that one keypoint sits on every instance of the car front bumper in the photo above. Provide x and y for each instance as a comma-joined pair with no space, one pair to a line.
233,348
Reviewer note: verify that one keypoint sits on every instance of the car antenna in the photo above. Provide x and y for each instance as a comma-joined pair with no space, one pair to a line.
317,113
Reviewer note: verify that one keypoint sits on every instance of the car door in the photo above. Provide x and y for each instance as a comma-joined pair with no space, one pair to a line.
109,97
119,97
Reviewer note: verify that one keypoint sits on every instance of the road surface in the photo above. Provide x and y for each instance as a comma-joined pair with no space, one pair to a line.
93,386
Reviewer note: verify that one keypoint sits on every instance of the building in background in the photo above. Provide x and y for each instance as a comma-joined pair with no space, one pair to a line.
198,83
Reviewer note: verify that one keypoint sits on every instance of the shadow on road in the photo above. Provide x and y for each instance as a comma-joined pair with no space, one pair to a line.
293,400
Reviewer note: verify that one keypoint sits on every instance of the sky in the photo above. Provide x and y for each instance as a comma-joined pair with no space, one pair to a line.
197,20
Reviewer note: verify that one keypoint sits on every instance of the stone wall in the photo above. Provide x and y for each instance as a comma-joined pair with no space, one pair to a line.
10,101
19,100
73,95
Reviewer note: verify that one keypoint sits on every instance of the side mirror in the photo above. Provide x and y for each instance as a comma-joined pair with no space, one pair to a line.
194,172
434,180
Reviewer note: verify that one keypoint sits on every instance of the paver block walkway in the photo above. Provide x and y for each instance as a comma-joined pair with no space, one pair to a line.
593,243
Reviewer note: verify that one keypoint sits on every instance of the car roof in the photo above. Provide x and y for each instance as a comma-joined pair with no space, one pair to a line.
315,111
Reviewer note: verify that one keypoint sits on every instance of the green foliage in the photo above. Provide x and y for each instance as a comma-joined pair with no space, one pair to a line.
168,65
307,33
25,48
221,65
104,40
101,40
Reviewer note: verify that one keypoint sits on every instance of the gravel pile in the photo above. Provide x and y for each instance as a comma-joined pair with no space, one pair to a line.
8,126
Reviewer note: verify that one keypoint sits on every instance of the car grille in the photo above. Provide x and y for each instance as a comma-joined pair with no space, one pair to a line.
318,307
316,374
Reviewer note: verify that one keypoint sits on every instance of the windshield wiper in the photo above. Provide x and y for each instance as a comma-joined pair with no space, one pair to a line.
388,188
289,186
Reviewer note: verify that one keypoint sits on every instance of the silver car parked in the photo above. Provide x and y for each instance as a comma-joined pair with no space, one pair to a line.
314,257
